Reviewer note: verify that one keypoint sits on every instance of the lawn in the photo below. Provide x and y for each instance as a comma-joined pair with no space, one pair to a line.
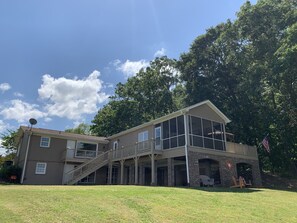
144,204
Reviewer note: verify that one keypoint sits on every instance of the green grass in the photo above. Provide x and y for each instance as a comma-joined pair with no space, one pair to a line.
144,204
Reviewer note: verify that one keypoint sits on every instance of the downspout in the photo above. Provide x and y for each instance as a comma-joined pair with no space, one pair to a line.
186,147
26,157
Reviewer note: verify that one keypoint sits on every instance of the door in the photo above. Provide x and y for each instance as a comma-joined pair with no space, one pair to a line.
158,137
115,148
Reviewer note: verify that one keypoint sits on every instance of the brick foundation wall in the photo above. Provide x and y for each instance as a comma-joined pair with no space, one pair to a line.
226,173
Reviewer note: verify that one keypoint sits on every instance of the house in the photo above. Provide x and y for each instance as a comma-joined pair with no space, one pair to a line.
173,150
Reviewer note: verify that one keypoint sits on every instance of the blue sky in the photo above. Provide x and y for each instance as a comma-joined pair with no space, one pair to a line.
60,60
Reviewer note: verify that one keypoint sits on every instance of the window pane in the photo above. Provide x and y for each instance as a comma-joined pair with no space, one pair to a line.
158,136
157,132
180,125
223,131
140,137
145,136
173,129
40,168
165,130
86,146
219,145
181,140
44,142
166,144
197,141
190,124
217,130
173,142
207,128
208,143
196,126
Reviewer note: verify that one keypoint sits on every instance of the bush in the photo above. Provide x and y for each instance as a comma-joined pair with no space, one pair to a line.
7,171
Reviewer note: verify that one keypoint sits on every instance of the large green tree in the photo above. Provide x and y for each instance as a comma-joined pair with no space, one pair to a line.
116,116
246,68
150,94
82,128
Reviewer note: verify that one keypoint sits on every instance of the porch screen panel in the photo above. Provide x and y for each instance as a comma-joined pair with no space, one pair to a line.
173,133
217,130
180,125
165,130
206,133
173,127
196,126
165,134
207,128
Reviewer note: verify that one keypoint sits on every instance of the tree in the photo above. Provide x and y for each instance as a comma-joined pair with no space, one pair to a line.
115,117
82,128
151,88
8,141
146,96
247,68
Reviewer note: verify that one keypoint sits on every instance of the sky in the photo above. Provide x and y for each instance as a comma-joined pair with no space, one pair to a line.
61,60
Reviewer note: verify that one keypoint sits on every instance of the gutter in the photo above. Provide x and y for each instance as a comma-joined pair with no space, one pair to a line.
186,147
26,157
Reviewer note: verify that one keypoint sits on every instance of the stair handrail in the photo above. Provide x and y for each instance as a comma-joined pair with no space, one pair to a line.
87,163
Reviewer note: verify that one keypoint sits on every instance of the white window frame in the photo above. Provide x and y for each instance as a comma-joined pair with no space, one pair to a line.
158,143
76,149
37,170
115,145
49,142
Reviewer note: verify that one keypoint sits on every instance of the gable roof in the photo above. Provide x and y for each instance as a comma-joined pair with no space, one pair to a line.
175,114
62,134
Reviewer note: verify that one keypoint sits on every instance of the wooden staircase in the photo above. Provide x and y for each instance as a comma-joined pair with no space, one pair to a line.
86,168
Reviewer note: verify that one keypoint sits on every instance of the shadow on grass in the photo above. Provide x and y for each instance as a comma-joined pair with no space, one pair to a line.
282,189
239,190
225,189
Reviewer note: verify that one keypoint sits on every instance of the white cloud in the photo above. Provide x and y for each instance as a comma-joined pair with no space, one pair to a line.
71,98
47,119
3,126
130,68
160,53
4,87
21,111
18,94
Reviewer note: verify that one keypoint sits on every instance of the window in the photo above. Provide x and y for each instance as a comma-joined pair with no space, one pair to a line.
158,137
40,168
115,145
165,130
143,136
44,142
206,133
207,128
85,149
90,179
180,125
143,140
196,127
173,132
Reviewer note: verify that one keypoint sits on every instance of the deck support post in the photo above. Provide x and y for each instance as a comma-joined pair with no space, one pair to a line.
136,170
122,171
110,173
153,170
